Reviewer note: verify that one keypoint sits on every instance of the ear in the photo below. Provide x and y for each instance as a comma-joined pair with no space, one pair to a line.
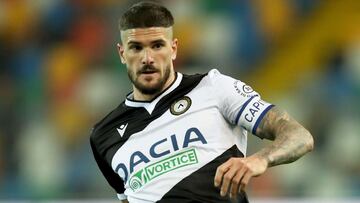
174,48
121,52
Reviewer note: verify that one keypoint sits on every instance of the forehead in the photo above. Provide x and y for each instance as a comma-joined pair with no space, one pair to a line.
146,34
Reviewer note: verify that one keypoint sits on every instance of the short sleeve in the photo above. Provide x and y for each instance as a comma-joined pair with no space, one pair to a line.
112,178
237,101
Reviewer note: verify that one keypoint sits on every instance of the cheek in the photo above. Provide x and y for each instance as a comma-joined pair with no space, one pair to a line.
165,57
130,60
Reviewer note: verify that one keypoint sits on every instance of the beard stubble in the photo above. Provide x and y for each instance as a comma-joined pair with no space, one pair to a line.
146,89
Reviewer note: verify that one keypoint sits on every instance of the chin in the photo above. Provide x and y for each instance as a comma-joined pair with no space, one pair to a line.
149,89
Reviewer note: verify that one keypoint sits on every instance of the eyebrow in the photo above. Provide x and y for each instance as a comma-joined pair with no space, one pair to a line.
158,41
152,42
133,42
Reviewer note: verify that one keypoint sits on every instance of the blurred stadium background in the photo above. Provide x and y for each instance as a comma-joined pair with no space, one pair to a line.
60,73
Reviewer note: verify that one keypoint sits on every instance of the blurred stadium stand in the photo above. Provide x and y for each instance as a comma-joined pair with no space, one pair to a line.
60,73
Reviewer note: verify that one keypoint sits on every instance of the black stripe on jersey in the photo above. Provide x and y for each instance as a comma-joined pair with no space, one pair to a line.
105,136
113,178
199,186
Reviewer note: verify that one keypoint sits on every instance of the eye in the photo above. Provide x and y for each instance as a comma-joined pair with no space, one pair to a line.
135,47
158,46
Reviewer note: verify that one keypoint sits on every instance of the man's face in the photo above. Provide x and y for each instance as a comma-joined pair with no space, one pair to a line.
148,55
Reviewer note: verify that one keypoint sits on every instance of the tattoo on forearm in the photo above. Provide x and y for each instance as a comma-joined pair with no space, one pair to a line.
291,140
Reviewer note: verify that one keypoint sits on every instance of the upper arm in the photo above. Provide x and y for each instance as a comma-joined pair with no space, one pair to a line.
112,178
274,122
238,102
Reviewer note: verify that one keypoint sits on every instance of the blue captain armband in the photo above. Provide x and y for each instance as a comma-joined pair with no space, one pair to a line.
252,112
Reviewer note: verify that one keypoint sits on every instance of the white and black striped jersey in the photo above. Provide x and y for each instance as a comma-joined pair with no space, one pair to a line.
168,149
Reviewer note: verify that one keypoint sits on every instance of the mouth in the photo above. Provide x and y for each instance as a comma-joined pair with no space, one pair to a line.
148,72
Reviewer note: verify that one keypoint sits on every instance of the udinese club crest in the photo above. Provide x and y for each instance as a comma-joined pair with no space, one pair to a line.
180,106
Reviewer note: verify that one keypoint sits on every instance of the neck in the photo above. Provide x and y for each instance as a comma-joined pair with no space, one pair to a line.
148,97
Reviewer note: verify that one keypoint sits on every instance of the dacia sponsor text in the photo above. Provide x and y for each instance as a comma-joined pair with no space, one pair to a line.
157,150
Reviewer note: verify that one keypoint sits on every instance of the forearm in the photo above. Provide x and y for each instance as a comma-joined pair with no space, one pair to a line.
291,140
287,147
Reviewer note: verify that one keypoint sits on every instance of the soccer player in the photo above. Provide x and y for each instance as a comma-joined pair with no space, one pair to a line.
182,138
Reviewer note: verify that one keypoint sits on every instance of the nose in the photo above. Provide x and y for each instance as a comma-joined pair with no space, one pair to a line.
147,58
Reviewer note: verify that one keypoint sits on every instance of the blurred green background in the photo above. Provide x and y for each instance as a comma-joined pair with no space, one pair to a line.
60,73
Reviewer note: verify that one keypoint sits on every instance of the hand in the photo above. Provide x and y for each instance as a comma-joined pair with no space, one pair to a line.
236,173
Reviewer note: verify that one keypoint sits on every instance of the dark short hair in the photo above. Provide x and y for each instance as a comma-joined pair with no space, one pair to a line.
146,14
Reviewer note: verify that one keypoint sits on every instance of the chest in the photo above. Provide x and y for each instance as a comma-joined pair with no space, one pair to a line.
191,122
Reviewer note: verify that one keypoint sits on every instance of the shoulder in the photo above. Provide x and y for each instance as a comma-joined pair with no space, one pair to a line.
191,78
222,82
215,76
107,120
214,80
212,75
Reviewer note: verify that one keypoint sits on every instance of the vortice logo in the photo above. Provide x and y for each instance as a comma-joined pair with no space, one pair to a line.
145,175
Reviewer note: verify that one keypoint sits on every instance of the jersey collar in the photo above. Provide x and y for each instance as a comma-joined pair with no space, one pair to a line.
150,105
